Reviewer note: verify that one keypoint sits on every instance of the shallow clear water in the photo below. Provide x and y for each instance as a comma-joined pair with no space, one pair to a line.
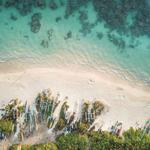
17,42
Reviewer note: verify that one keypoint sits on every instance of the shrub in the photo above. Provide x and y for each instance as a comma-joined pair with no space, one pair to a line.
83,127
104,141
72,141
136,139
60,124
6,126
48,146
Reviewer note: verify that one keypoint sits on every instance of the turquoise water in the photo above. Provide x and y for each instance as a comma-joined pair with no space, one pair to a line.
17,42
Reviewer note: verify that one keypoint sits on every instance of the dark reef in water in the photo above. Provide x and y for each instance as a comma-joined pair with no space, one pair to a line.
25,6
100,35
114,13
86,27
13,17
58,19
44,43
68,35
50,34
1,2
116,41
35,22
53,5
73,5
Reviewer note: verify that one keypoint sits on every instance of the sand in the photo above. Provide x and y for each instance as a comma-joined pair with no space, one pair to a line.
126,102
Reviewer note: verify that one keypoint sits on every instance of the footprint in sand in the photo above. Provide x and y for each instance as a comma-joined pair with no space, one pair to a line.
91,81
119,89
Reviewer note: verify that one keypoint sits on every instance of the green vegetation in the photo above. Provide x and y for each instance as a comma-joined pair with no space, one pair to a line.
62,122
72,141
21,109
21,147
63,110
136,138
104,141
83,127
13,108
132,139
98,107
48,146
76,134
6,126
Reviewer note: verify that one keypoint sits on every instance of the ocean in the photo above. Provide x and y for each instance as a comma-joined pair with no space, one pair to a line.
65,32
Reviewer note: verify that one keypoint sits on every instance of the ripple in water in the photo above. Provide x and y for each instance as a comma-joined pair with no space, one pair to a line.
87,33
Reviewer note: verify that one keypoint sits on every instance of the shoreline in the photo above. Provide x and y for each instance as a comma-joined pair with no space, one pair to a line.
54,62
127,103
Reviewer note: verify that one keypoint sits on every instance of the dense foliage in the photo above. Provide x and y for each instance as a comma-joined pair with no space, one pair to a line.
72,141
105,141
48,146
136,139
6,126
132,139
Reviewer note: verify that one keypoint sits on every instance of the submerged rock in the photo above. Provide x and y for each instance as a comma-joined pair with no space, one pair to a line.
35,22
53,5
1,2
119,42
9,3
83,16
35,26
86,28
99,35
36,16
74,5
61,2
25,6
68,35
50,34
41,3
13,17
44,43
58,19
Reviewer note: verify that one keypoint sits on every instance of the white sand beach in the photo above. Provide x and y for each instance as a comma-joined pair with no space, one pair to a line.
126,102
